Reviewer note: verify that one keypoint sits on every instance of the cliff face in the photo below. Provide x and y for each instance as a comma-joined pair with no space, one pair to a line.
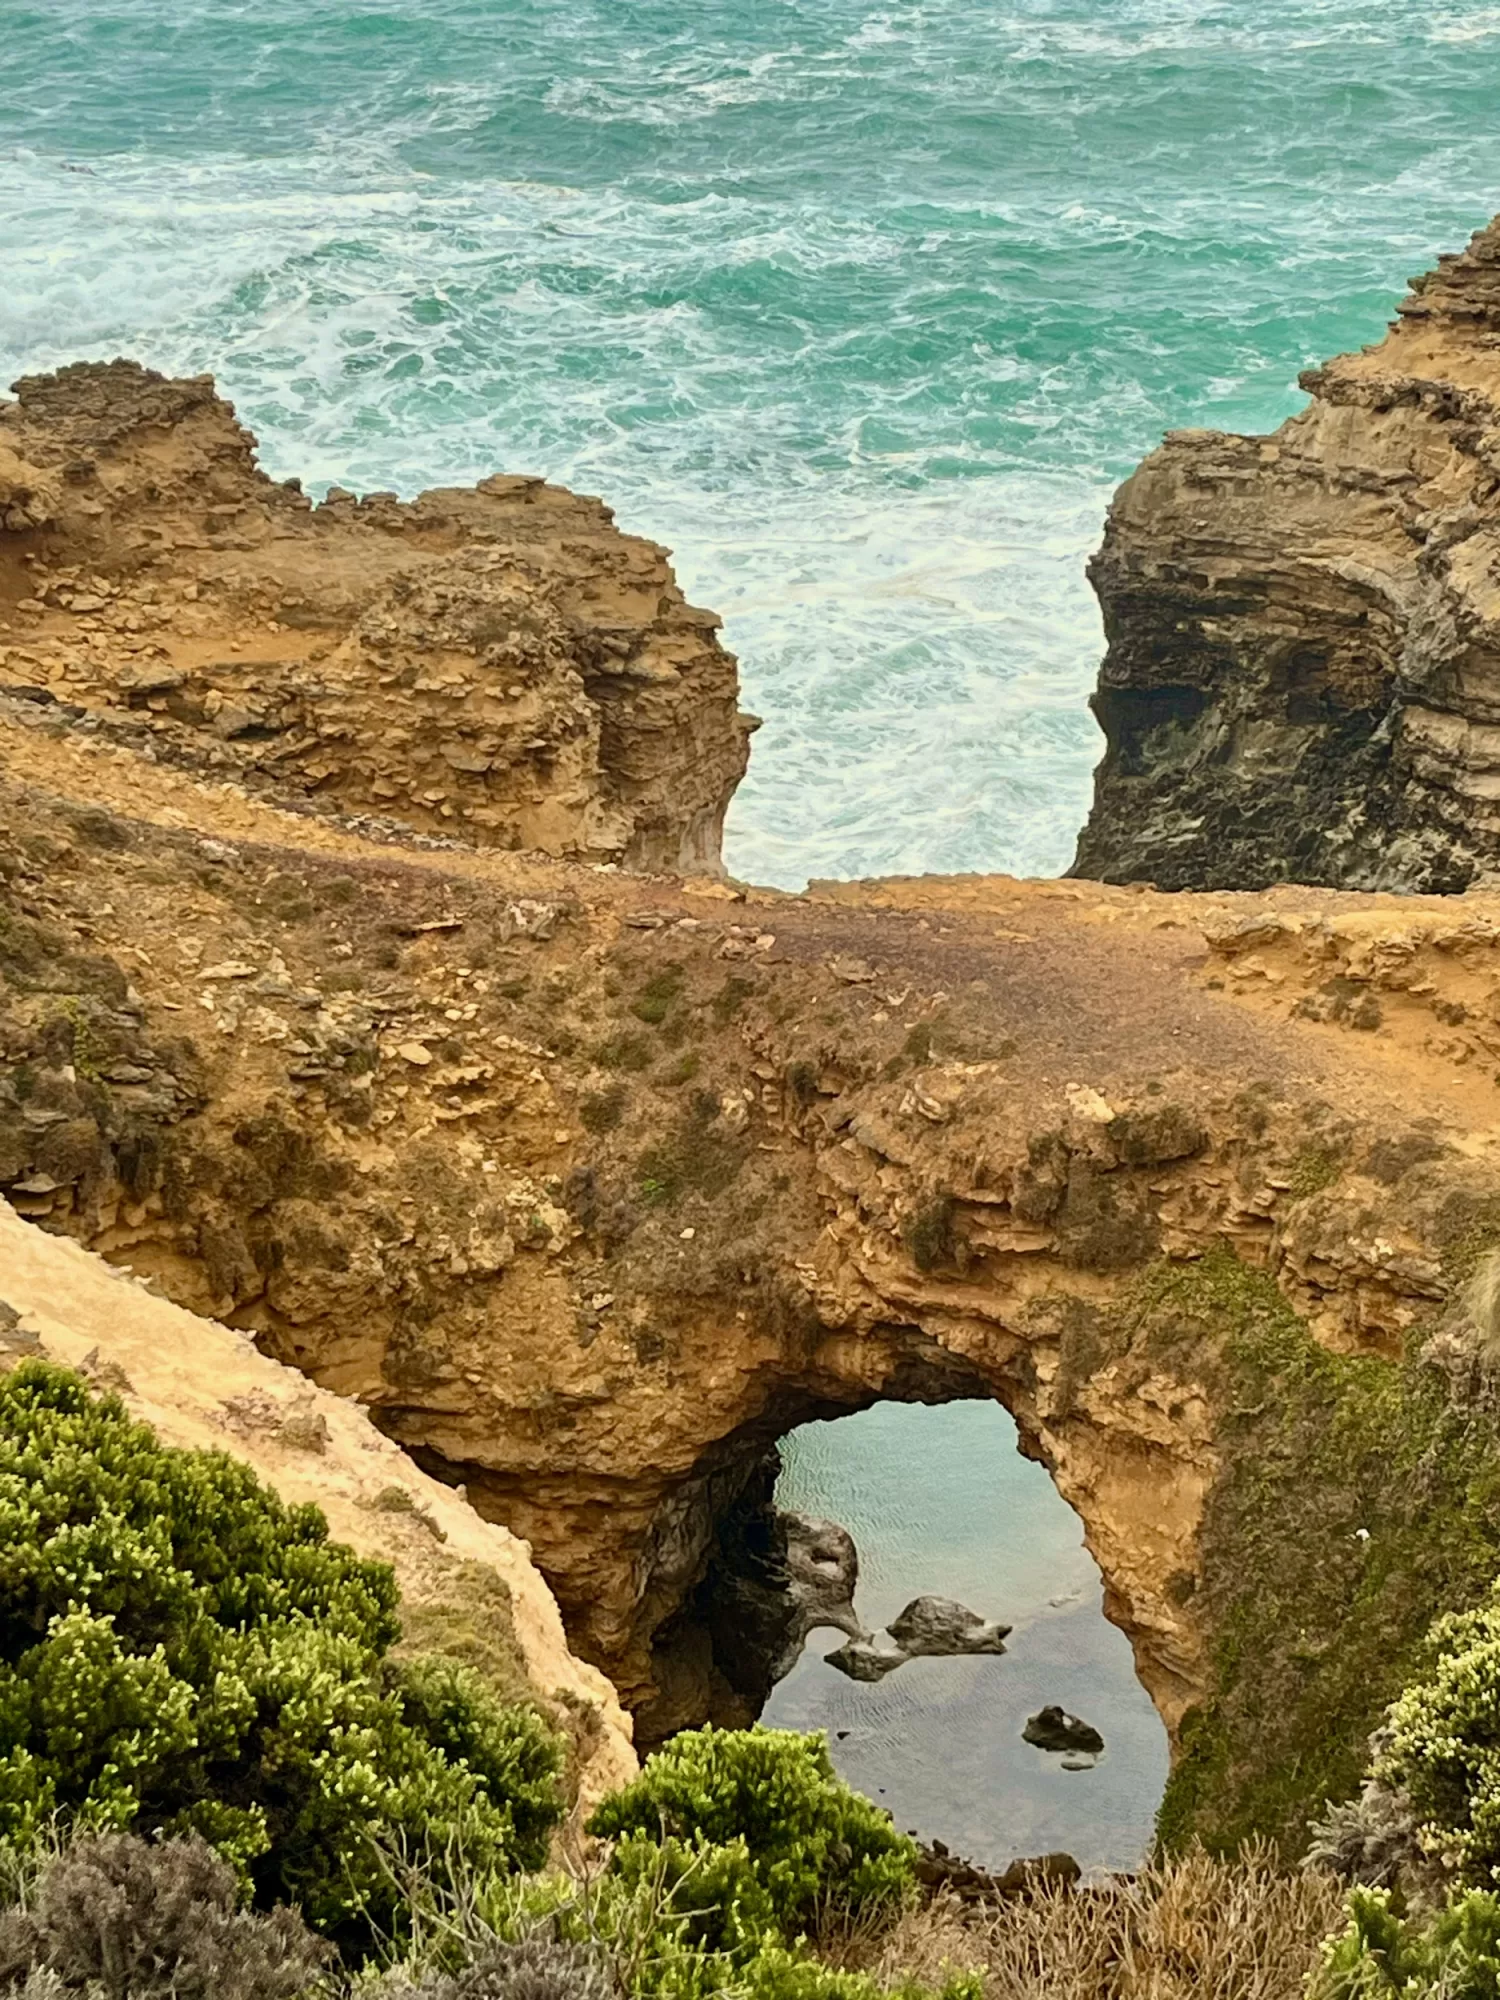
499,664
1303,674
589,1185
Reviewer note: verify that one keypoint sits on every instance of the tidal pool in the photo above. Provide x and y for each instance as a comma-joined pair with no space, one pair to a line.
941,1501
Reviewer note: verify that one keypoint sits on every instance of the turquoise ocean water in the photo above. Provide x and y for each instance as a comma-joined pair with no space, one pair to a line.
863,309
860,307
940,1502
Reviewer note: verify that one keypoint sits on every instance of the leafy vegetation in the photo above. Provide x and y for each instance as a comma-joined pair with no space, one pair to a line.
186,1658
1442,1746
753,1834
1453,1954
648,1929
181,1652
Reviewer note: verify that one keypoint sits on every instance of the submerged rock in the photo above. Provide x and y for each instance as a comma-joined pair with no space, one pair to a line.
867,1659
1054,1730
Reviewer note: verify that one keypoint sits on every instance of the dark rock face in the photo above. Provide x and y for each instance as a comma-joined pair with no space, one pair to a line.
1303,675
936,1626
771,1578
1053,1729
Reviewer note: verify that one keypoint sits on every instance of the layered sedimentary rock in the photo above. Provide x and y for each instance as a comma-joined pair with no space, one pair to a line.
1303,674
589,1186
498,663
589,1189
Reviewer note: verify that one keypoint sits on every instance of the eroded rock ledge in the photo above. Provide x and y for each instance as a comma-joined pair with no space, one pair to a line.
589,1186
498,663
1303,675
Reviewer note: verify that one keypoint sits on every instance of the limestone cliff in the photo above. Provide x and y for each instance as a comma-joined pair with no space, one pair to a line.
1303,674
590,1185
501,664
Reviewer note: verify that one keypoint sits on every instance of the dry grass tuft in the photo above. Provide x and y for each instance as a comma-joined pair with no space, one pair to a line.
1193,1928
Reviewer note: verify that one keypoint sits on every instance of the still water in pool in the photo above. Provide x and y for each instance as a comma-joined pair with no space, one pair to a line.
940,1501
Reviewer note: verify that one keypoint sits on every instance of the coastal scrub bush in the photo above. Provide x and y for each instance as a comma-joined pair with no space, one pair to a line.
1454,1955
755,1839
119,1919
1441,1748
549,1937
180,1651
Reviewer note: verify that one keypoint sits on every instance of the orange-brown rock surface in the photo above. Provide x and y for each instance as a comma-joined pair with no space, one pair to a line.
589,1185
1303,675
498,663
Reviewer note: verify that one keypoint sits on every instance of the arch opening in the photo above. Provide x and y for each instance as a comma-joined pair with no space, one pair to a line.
939,1501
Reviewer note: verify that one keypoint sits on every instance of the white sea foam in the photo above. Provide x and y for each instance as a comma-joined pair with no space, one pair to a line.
863,310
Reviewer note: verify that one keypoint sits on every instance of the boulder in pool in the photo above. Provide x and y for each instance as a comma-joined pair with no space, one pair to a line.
866,1659
939,1625
1054,1730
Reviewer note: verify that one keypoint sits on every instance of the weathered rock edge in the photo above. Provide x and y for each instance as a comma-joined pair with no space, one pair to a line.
1302,680
496,663
202,1386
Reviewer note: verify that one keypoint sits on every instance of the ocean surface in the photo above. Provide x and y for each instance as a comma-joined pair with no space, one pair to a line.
862,309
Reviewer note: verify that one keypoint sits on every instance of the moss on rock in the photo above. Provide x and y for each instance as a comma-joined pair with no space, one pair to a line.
1357,1500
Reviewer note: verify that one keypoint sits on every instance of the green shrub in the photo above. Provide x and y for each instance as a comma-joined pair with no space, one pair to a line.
778,1974
487,1939
116,1917
1452,1956
181,1651
754,1838
1442,1748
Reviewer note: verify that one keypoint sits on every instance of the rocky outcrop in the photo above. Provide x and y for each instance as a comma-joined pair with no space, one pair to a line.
1062,1735
588,1187
468,1587
928,1628
770,1577
499,664
1303,675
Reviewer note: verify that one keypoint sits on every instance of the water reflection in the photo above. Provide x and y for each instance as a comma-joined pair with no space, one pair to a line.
940,1501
